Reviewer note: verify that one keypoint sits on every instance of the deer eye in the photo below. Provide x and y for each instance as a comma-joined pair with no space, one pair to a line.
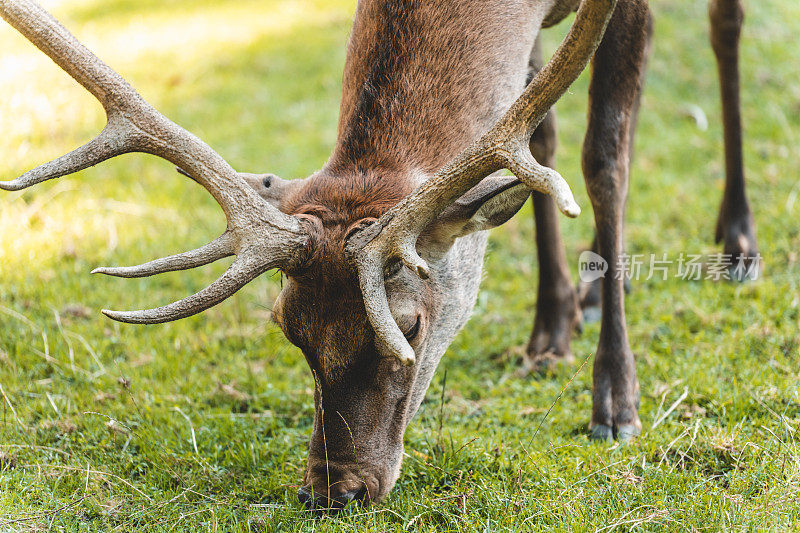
411,333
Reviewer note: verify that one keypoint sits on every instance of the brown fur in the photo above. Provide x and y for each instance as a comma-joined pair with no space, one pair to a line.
327,287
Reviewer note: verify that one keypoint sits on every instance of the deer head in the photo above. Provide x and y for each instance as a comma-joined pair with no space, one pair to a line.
379,277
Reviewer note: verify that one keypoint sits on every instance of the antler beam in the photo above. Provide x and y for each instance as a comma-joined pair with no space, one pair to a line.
506,145
259,235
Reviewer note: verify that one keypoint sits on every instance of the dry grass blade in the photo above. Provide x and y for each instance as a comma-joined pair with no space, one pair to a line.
671,408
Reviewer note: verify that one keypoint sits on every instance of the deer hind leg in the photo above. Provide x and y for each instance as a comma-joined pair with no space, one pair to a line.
617,72
735,226
557,311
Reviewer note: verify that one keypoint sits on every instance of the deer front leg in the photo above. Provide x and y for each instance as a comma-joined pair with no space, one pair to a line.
617,72
557,311
735,226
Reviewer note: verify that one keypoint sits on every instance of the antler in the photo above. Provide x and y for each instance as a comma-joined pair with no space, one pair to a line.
506,145
259,235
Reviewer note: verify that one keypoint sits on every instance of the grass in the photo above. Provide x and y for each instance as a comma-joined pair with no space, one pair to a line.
203,424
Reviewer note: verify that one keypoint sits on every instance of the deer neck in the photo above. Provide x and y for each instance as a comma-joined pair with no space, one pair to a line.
422,80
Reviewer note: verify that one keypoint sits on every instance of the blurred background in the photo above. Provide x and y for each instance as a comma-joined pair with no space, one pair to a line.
260,82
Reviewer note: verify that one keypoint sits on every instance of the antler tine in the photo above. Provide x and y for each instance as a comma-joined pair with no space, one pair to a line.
261,236
105,146
505,145
239,274
220,247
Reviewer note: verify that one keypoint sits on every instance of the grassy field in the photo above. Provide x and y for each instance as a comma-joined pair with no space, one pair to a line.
202,425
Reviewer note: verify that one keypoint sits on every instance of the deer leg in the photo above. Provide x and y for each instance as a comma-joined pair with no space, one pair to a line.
590,293
735,226
617,72
557,311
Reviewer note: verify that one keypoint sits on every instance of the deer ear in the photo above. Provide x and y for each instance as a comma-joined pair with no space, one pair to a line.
490,203
270,187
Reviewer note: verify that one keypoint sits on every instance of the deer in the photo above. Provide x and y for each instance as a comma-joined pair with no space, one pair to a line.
382,248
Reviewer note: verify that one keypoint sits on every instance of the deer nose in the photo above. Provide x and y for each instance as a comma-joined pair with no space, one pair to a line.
333,502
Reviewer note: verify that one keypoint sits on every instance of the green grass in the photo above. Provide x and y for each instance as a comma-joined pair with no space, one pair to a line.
98,417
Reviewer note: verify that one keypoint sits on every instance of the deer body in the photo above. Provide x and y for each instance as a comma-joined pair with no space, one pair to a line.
383,247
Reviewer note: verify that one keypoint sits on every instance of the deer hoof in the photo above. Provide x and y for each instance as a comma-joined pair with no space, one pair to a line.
542,362
330,504
627,432
592,315
737,232
623,433
745,261
558,316
602,433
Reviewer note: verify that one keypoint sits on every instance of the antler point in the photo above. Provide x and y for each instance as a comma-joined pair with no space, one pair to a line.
572,209
407,357
119,316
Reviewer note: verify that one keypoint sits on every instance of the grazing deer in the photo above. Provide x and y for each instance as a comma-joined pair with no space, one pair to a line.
382,248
